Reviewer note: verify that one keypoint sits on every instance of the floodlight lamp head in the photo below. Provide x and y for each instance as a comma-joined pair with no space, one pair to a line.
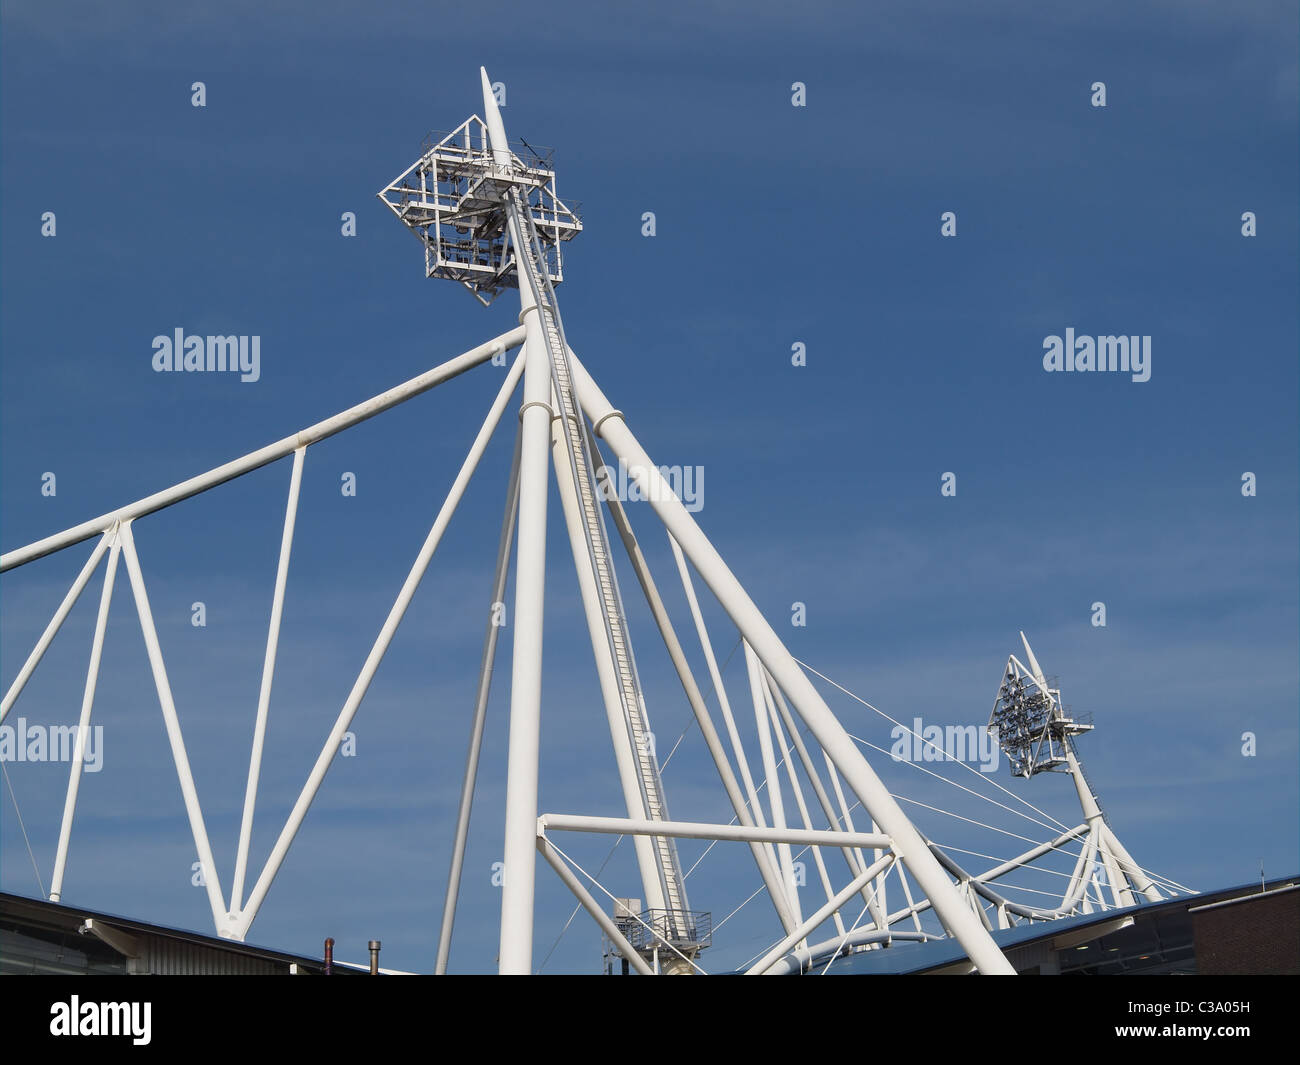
473,199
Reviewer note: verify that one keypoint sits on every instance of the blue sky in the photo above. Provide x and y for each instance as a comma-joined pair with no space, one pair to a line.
775,225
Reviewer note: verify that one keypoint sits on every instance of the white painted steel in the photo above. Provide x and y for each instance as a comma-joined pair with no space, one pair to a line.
878,894
83,722
763,731
517,890
268,673
852,857
989,875
192,808
797,790
581,459
724,704
256,459
767,868
911,904
540,312
593,907
606,672
775,805
486,665
831,906
239,923
801,957
52,629
1105,839
1131,868
622,826
882,806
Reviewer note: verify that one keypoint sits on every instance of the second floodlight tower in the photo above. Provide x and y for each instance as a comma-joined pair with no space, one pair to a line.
1037,734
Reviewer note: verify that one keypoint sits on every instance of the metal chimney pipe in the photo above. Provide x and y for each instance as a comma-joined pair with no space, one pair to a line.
329,957
374,957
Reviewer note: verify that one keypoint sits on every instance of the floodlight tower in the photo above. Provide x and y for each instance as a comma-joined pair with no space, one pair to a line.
1036,732
489,217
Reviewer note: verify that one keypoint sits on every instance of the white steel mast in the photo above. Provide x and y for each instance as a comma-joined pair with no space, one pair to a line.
549,399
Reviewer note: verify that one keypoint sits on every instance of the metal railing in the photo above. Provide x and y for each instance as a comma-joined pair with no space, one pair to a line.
686,930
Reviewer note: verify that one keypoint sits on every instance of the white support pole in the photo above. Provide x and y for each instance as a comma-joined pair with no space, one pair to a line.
257,459
1120,892
1120,889
1141,882
724,704
878,895
852,857
846,815
1092,814
244,919
268,673
911,903
880,804
773,778
516,944
832,906
801,960
192,808
520,858
486,664
978,907
1077,887
990,875
610,689
83,723
762,857
1085,903
797,790
1097,887
1082,868
52,629
593,907
621,826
